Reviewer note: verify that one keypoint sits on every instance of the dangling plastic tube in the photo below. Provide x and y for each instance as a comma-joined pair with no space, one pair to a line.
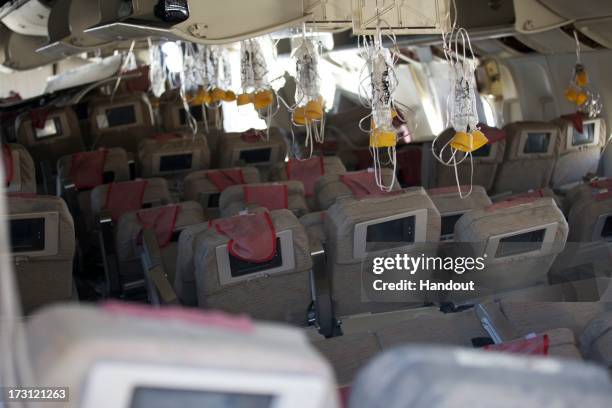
578,91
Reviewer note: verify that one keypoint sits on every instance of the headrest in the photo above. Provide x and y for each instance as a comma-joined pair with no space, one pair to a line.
404,377
521,228
236,151
531,140
273,196
362,228
205,185
41,227
123,197
125,111
247,240
409,161
166,221
19,170
47,126
578,132
95,168
359,184
172,156
151,348
308,171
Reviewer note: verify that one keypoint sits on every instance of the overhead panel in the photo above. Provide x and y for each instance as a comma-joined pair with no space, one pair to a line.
550,42
328,15
579,9
20,51
29,19
401,17
599,30
532,16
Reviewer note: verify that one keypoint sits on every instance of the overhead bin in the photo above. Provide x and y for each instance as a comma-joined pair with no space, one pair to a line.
532,16
18,51
579,10
29,19
551,42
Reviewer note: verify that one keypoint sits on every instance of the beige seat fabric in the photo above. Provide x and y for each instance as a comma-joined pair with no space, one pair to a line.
198,187
590,218
232,199
234,151
23,179
520,240
173,157
173,116
486,162
156,194
60,136
129,228
578,154
280,296
528,164
124,122
351,255
332,166
596,339
452,206
87,347
330,188
44,255
314,223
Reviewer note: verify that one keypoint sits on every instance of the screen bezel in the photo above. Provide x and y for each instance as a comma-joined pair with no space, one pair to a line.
525,135
101,120
111,383
51,233
361,230
570,135
546,247
601,222
288,261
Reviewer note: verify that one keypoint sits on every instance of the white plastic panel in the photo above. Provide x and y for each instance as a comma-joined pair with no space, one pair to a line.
29,19
551,42
599,30
578,10
401,16
329,13
532,17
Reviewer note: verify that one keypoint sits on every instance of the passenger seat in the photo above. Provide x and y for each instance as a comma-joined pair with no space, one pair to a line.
43,248
19,170
272,196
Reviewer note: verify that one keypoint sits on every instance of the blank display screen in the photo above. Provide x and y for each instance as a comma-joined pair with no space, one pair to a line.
484,151
53,127
175,162
169,398
239,267
256,155
520,243
606,231
448,224
196,112
537,142
28,235
121,116
400,231
586,137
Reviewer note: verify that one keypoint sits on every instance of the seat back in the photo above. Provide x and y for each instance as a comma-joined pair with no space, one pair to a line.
43,246
272,196
332,187
206,186
476,378
49,134
275,288
124,122
120,198
452,206
486,162
529,161
519,240
360,230
174,156
590,217
19,170
175,357
167,222
173,114
579,151
252,149
308,172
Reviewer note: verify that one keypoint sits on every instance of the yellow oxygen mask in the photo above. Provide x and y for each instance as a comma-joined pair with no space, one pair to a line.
469,142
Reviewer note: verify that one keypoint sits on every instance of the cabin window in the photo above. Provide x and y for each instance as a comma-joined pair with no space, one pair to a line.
520,243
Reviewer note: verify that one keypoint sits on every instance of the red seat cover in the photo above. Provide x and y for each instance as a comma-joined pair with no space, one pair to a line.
537,345
7,159
577,120
165,137
409,166
253,136
252,236
87,169
162,220
39,117
124,197
492,134
307,171
362,184
272,196
223,179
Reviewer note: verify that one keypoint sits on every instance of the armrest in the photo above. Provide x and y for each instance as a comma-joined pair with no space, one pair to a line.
326,320
159,288
109,255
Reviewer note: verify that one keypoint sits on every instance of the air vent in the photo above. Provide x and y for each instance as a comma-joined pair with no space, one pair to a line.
517,45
